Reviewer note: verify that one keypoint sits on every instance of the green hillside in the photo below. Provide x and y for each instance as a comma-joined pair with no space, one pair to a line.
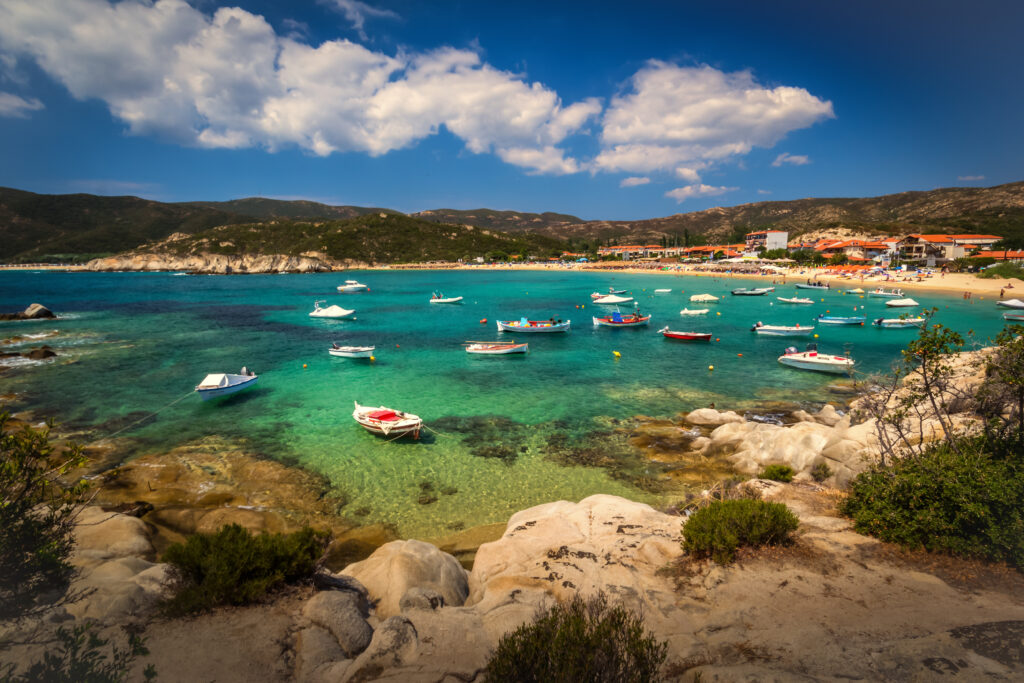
392,238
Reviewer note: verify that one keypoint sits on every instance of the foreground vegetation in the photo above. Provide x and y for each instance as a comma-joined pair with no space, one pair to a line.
235,567
719,530
964,492
580,641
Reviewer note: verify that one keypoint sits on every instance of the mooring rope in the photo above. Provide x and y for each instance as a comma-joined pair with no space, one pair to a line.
148,416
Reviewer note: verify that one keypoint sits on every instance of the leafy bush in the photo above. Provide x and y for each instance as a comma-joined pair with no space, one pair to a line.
235,567
783,473
582,640
821,472
966,502
78,658
721,528
1005,270
37,518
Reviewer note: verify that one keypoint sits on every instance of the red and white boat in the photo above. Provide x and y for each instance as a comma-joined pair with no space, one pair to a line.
685,336
616,319
1015,317
387,422
497,348
524,325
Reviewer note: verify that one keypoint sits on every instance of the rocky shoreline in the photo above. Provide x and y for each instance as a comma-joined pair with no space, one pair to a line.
221,264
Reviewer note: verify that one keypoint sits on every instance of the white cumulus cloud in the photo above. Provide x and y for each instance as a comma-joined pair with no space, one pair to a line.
634,181
228,80
678,116
356,13
764,191
15,106
792,159
681,194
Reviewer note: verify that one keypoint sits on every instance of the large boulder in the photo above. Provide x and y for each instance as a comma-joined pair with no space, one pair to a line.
37,311
710,416
338,612
394,644
396,567
102,535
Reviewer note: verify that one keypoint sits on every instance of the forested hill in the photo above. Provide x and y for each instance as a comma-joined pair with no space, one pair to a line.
372,238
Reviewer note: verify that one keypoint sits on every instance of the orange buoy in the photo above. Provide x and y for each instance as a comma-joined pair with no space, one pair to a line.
740,355
398,346
304,365
483,321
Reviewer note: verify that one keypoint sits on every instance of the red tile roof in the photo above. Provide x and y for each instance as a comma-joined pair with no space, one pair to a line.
999,255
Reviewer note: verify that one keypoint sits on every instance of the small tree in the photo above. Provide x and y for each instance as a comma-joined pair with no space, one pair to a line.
839,259
37,519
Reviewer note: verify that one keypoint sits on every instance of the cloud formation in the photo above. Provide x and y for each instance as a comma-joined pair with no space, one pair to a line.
792,159
356,13
679,117
681,194
230,81
15,106
970,177
633,181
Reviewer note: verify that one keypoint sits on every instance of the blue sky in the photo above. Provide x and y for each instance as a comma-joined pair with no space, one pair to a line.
602,110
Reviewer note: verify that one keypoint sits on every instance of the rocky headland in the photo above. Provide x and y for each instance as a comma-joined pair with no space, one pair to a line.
220,264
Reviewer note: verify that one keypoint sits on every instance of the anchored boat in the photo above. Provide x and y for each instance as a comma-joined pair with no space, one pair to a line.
898,323
759,291
782,330
694,311
440,298
813,285
223,384
351,286
842,320
616,319
1011,303
496,348
817,362
685,336
703,298
611,299
794,300
332,311
1015,317
351,351
387,422
884,293
901,303
524,325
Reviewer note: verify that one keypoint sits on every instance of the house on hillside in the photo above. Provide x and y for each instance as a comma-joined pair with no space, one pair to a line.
942,248
766,239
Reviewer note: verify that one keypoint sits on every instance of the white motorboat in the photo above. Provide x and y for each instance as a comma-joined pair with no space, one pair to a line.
898,323
782,330
352,286
524,325
901,303
813,285
662,291
223,384
818,362
758,291
794,300
439,298
613,299
351,351
332,311
886,293
387,422
703,298
497,348
694,311
1011,303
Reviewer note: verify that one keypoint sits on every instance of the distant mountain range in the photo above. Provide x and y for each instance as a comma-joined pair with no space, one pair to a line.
79,226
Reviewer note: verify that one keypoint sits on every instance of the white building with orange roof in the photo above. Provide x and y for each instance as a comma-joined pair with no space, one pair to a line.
941,248
768,239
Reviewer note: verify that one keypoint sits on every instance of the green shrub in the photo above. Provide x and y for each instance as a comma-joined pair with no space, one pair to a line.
1005,270
821,472
581,640
721,528
783,473
964,501
79,658
235,567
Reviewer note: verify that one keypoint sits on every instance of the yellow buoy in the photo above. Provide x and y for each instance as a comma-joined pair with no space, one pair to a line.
373,358
304,365
718,313
815,336
711,367
616,354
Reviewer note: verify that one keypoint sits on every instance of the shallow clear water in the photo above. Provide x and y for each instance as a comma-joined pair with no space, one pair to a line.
140,341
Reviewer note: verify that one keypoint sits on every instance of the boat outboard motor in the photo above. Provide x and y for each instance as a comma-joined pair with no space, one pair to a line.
879,321
812,347
791,350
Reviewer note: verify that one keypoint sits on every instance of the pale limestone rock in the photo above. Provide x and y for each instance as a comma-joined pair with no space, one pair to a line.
396,567
35,311
710,416
101,535
338,612
828,415
422,599
394,644
314,647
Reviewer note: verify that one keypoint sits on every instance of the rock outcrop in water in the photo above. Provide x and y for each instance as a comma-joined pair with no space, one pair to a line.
219,264
33,312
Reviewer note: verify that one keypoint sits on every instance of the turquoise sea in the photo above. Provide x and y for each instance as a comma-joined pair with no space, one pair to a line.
507,431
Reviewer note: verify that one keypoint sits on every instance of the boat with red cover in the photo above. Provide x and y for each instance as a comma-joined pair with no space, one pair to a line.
617,319
685,336
387,422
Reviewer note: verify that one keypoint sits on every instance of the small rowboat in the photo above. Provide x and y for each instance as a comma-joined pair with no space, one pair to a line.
612,299
901,303
439,298
223,384
842,320
812,285
387,422
332,311
351,286
795,300
351,351
782,330
662,291
616,319
886,293
703,298
694,311
898,323
685,336
525,325
1015,317
1011,303
818,362
760,291
496,348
